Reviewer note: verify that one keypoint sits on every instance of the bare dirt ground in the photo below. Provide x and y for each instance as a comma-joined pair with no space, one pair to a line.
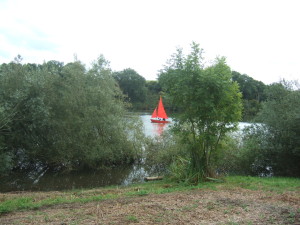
234,206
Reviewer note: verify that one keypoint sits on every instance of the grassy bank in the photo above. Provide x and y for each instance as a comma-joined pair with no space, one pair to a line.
16,201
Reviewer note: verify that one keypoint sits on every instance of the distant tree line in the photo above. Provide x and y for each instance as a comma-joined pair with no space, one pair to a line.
253,93
141,94
144,95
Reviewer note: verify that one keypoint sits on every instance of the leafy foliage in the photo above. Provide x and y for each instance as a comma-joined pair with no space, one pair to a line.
152,95
209,104
281,115
272,146
63,116
132,84
253,94
250,88
5,156
162,151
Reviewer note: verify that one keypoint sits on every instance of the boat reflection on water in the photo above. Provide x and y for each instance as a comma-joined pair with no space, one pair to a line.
154,129
158,128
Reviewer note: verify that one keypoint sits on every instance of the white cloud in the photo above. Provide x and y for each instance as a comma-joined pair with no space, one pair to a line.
259,38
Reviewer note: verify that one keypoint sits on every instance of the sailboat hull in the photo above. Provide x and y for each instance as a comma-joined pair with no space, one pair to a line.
159,121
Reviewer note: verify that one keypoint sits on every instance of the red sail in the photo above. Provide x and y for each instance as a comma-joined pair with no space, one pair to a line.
154,114
161,110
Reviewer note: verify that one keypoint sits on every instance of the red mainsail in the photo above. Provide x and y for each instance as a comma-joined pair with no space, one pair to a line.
159,111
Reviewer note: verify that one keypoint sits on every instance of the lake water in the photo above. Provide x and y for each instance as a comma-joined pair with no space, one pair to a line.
154,129
40,181
46,181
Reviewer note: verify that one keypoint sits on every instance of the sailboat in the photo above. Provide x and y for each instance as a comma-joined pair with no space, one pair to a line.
159,114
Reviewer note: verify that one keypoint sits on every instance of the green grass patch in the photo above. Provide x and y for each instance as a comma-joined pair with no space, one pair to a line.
27,203
132,218
277,184
17,203
32,200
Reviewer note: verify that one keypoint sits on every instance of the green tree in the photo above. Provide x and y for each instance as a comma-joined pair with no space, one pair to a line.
209,103
132,84
63,116
153,90
272,146
253,94
250,88
5,156
251,109
13,95
153,86
281,118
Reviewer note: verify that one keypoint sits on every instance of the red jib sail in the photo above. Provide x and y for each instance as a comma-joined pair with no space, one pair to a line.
159,111
154,114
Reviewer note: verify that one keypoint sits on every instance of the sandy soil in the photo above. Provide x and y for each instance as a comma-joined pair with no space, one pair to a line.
238,206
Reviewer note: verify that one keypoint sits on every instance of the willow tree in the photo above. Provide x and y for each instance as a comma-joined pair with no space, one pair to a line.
62,117
209,103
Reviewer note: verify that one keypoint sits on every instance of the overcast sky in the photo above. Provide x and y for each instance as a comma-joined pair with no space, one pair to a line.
260,38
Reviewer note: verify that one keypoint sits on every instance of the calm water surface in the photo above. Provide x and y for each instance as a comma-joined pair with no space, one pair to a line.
154,129
46,181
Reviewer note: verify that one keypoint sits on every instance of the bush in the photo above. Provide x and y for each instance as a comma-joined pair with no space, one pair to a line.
5,162
281,136
162,151
64,116
272,147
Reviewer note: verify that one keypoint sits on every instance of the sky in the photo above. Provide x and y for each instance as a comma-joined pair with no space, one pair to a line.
260,38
